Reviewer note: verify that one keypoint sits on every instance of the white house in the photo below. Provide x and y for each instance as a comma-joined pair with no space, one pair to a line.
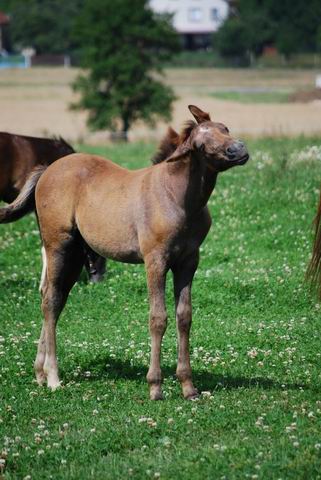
195,20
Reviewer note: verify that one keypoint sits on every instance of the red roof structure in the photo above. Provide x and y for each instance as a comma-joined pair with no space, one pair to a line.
4,19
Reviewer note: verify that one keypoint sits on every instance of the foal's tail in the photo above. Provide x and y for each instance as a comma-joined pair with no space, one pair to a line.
314,268
25,202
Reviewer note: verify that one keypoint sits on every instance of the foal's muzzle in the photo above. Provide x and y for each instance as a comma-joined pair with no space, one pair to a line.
237,153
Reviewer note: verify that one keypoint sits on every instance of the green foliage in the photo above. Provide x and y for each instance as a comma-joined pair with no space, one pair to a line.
124,45
246,32
290,26
43,24
255,345
318,36
297,24
232,40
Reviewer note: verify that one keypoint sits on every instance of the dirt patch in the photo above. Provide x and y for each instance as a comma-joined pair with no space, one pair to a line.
306,96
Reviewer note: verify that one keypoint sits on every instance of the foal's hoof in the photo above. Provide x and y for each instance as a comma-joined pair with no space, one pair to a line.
156,393
191,394
40,377
53,388
53,384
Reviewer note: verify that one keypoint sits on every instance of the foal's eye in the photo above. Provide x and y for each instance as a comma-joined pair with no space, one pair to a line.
227,130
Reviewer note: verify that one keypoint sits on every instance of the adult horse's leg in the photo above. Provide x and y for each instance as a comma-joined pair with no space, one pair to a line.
64,263
183,277
95,265
156,276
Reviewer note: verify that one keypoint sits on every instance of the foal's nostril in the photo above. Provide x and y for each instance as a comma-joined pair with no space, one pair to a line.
231,151
234,150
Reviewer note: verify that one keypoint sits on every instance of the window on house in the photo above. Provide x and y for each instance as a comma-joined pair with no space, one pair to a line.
214,14
195,14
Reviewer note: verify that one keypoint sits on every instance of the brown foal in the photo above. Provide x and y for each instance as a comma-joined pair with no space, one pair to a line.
156,216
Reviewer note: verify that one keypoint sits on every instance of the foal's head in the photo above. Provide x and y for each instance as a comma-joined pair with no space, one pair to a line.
210,141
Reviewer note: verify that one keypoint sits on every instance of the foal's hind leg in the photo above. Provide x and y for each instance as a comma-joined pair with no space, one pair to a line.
44,269
64,264
183,277
40,358
41,350
156,275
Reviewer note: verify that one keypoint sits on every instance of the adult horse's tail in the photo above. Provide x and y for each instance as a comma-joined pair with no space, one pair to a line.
25,202
314,268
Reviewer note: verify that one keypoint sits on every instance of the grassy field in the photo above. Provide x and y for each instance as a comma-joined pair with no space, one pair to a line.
256,342
253,96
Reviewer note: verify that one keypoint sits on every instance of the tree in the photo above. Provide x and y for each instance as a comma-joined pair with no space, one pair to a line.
290,26
45,25
247,30
297,25
232,40
124,45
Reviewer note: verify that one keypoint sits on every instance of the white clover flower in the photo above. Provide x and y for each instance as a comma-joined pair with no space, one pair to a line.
252,353
206,394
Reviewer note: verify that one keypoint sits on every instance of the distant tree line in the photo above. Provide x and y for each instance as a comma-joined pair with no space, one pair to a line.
291,26
45,25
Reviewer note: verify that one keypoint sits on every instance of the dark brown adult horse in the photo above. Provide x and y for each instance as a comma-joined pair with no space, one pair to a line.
156,215
19,155
314,268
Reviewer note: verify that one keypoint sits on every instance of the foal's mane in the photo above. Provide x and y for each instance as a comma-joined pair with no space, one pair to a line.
171,141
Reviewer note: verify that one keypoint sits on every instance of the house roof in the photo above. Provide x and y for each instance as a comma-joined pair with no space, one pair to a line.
4,18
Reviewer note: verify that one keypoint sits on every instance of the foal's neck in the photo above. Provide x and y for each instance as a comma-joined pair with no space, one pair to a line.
192,183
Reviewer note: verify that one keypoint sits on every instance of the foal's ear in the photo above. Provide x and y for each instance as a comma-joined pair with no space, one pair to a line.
179,154
198,114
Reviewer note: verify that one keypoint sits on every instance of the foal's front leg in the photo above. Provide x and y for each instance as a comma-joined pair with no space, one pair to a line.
156,276
183,277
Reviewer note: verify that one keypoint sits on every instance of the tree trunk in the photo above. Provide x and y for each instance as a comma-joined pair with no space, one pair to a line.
126,126
121,135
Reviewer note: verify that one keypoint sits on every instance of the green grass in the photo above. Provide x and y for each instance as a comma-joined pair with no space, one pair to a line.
253,97
256,341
